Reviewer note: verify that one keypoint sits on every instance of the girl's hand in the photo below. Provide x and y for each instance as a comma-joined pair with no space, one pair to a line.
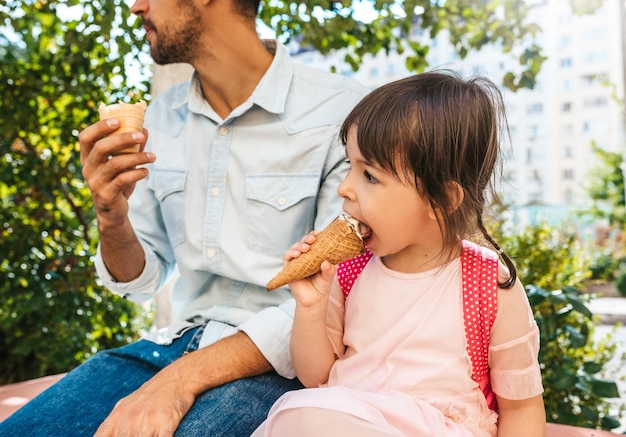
313,291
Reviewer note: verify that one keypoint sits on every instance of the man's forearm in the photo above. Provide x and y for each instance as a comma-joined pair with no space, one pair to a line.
122,252
227,360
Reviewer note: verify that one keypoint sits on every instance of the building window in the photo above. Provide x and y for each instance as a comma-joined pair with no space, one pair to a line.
567,85
534,108
568,196
568,152
593,57
597,126
533,132
566,107
595,101
535,197
565,62
568,174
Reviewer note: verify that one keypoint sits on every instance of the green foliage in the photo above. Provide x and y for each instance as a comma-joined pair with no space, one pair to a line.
606,188
407,27
553,266
602,265
549,257
54,73
572,363
620,282
581,7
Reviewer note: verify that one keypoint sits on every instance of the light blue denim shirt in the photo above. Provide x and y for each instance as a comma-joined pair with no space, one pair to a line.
226,197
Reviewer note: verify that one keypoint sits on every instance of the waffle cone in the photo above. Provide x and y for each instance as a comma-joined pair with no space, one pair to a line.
130,117
338,242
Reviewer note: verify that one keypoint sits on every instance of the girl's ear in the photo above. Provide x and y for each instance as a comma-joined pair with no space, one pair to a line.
455,194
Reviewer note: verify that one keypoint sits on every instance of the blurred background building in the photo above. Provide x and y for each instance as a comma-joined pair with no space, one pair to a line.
577,101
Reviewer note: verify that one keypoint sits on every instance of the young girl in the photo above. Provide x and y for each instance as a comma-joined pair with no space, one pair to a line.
405,339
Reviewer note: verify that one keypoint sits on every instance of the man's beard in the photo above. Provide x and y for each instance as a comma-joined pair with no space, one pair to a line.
177,44
169,51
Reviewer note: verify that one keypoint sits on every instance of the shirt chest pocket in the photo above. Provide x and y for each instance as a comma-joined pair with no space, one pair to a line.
169,189
280,210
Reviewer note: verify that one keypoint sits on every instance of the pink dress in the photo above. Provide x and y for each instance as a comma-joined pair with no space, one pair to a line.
404,369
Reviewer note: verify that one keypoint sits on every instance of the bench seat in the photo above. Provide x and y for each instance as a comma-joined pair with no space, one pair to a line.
13,396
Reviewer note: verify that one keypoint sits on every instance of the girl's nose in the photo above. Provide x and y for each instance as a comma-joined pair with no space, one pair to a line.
344,188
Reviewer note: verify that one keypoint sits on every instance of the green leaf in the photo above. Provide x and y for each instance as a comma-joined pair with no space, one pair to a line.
563,379
604,389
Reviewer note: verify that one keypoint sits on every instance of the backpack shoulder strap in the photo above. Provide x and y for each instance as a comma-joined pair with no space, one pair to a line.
480,290
349,270
479,268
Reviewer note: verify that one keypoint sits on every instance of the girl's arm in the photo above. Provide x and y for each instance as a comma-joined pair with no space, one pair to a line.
523,418
312,353
515,371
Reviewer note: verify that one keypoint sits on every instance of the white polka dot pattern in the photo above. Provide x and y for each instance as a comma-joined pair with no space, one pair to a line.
480,270
349,270
480,284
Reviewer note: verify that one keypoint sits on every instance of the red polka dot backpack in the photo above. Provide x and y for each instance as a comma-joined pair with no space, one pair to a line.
479,267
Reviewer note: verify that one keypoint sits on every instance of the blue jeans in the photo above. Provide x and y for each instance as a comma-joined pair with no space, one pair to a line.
78,403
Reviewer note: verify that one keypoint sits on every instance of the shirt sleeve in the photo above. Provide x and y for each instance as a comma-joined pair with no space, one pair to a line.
514,349
335,170
140,289
270,330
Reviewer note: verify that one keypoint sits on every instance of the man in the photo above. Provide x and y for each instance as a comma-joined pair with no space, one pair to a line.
237,165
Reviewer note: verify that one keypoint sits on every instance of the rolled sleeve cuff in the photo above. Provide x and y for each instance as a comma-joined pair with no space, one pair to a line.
138,290
517,384
270,330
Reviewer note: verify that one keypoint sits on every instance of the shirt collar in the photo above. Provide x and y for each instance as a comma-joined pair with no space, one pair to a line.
270,93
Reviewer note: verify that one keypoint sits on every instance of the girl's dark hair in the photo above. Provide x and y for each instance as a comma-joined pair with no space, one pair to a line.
438,130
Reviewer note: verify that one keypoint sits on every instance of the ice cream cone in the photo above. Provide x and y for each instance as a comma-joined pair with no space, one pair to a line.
130,117
338,242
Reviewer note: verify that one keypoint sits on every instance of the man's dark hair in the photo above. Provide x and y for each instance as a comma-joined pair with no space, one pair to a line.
247,8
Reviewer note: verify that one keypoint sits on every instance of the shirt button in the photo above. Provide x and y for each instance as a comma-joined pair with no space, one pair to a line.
215,191
159,193
282,200
223,130
210,253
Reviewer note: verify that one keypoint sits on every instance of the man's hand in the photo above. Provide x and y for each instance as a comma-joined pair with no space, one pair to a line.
158,406
111,176
155,409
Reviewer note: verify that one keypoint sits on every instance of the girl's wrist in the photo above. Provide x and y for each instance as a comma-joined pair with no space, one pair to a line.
312,311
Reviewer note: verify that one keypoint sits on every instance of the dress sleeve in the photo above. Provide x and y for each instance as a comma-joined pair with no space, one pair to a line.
514,347
335,318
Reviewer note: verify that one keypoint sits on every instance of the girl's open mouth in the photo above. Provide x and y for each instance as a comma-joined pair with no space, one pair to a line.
365,231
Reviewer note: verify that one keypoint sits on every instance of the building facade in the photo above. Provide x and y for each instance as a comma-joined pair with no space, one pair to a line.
578,99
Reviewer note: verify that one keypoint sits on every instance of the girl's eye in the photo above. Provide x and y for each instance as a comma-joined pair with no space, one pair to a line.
369,177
